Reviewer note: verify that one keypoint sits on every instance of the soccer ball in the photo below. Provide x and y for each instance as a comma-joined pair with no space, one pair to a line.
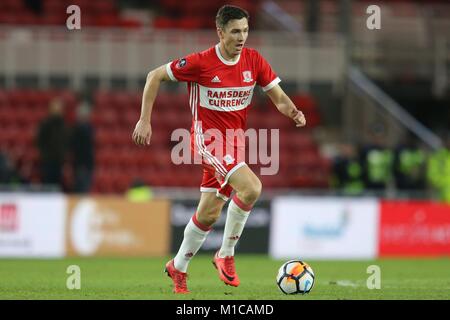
294,277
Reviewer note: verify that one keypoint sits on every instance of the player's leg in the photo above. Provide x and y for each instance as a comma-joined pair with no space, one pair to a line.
195,233
247,185
198,228
209,208
248,189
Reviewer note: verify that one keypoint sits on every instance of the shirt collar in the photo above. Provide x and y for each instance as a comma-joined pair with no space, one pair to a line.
219,55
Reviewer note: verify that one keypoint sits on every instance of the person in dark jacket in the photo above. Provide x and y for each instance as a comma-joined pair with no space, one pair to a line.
82,147
52,142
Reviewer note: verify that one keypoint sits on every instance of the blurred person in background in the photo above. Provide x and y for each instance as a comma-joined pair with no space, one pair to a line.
139,191
82,149
9,177
220,81
52,141
5,169
347,174
438,170
377,160
34,5
409,165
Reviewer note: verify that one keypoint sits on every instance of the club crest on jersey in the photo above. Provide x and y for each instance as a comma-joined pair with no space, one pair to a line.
247,76
181,63
228,159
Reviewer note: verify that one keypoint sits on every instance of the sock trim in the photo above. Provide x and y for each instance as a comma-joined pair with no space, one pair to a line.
199,224
242,205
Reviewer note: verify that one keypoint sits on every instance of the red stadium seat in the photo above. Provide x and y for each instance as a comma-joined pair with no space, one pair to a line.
13,5
170,4
53,19
106,20
53,6
129,23
164,23
103,7
190,23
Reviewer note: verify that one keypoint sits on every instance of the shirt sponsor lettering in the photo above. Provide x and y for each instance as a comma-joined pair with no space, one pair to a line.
226,99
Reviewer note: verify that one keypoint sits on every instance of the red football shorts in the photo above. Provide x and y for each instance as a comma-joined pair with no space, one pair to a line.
219,162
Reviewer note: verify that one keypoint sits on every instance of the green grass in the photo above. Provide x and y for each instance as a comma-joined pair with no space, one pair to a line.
142,278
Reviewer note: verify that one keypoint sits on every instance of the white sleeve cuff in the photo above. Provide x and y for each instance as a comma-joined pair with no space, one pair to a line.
274,82
170,73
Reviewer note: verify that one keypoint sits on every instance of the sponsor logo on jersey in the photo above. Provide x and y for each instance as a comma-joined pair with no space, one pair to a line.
225,99
181,63
247,76
215,79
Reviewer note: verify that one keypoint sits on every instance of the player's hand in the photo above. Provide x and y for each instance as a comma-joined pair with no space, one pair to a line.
142,133
299,118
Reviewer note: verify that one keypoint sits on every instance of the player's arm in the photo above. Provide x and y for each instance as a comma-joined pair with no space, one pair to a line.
285,105
143,130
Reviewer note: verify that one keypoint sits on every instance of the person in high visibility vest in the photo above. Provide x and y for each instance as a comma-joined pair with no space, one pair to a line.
410,165
377,160
438,171
347,174
139,192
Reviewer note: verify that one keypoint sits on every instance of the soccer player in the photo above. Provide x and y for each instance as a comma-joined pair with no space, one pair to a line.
220,81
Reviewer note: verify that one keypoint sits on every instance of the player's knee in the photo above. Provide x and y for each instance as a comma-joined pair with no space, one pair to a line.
257,189
208,217
251,194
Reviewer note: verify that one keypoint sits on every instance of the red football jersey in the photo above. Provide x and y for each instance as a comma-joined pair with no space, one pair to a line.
219,93
219,90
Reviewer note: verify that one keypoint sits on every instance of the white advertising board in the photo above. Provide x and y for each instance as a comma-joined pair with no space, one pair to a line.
32,225
324,228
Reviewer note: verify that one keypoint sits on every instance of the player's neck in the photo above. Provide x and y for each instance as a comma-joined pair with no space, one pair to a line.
225,54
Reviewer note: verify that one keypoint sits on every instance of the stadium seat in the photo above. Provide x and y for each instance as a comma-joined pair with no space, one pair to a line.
190,23
129,23
164,23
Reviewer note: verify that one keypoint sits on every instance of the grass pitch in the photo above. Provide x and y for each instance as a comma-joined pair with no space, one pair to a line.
143,278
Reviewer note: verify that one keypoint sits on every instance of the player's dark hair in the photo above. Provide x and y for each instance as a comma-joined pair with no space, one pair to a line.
229,12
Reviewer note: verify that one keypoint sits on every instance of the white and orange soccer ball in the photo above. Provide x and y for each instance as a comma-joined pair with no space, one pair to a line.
295,277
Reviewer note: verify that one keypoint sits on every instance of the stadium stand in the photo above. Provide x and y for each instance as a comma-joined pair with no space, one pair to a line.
118,161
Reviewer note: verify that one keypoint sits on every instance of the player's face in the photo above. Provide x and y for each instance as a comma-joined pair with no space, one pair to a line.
233,36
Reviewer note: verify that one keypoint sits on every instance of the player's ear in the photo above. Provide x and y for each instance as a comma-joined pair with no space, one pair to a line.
220,33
